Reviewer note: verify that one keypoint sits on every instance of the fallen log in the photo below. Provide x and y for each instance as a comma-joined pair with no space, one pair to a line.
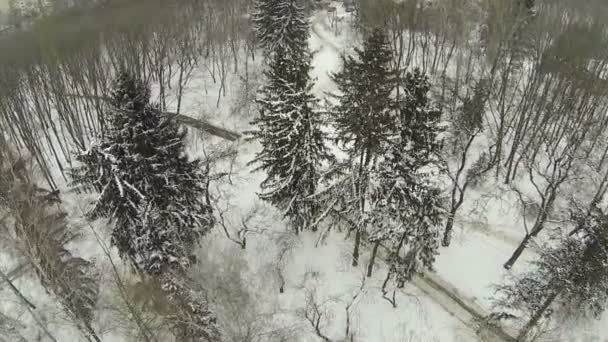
205,126
200,124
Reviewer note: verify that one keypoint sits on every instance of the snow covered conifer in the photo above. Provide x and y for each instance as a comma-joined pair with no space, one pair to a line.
42,232
364,120
363,117
155,196
293,146
288,126
281,25
157,199
571,275
410,206
420,122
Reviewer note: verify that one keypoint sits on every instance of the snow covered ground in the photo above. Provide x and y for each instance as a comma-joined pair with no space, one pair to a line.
318,276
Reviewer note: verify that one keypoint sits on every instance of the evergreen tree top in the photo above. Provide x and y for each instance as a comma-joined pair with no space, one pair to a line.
469,119
289,130
376,49
281,25
129,93
420,121
417,86
364,117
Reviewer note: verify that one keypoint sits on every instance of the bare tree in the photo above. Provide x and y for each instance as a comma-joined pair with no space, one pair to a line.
9,328
467,127
246,311
316,314
41,232
30,307
553,176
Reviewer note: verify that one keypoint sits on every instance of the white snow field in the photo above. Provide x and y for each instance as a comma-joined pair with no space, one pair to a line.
318,276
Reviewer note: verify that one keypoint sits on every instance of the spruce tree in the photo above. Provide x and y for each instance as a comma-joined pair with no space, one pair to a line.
410,207
293,146
281,25
156,197
363,116
364,120
571,275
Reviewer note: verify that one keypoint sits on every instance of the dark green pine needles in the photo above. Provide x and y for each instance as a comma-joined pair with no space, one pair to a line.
155,196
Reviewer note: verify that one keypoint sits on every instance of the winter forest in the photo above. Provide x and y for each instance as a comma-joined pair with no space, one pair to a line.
303,170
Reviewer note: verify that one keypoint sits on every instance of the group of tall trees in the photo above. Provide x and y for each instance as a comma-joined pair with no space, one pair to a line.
387,189
384,190
92,115
539,106
158,205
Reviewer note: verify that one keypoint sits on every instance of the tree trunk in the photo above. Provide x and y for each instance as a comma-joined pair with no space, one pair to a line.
538,227
356,250
92,335
180,89
16,291
536,317
447,234
30,307
360,188
370,267
520,249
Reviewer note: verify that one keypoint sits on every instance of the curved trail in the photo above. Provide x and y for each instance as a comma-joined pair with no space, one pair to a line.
318,21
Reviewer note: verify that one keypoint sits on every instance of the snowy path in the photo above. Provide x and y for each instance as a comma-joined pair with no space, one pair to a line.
455,303
484,229
327,58
318,27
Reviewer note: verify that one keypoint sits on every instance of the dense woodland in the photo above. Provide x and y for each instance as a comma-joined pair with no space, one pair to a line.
437,99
